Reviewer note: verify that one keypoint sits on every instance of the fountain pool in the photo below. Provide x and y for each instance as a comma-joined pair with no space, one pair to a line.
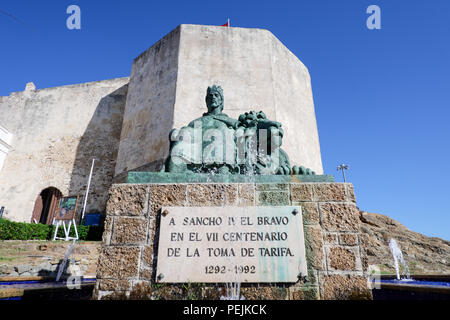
45,289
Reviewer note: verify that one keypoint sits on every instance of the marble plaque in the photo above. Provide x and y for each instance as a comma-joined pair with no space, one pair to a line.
231,244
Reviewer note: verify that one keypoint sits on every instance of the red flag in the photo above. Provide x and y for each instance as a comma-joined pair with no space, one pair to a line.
226,24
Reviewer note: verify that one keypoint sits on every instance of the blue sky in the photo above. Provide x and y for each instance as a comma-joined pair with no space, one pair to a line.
382,97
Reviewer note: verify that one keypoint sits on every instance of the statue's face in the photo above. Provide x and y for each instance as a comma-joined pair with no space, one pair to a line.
214,100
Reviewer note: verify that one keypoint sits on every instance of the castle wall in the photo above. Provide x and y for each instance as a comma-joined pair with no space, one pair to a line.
5,144
57,131
257,72
148,116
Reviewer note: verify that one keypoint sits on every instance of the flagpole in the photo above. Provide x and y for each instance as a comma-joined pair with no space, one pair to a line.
228,22
87,190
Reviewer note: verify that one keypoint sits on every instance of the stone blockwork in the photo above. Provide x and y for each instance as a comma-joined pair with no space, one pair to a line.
127,262
57,132
44,259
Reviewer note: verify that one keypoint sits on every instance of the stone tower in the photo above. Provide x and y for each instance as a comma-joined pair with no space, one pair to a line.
257,72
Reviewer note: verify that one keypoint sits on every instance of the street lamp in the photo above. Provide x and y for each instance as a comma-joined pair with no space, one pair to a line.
342,167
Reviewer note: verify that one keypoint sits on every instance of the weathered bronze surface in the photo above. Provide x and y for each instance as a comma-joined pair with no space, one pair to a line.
216,143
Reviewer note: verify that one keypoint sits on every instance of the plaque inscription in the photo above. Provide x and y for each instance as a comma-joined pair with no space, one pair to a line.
231,244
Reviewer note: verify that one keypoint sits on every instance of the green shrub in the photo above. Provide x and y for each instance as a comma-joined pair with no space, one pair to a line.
10,230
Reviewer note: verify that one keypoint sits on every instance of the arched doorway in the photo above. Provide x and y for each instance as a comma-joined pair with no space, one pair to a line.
46,205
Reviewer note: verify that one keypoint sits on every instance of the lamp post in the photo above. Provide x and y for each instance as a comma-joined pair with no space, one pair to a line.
342,167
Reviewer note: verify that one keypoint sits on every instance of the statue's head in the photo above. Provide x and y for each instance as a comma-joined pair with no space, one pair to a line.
214,98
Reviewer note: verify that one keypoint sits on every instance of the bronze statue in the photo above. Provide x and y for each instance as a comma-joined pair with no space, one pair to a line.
216,143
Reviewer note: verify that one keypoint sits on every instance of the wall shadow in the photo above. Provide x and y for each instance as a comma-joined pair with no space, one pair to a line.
100,141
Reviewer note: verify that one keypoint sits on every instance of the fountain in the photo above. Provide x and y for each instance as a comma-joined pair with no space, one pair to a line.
404,287
398,258
233,287
62,266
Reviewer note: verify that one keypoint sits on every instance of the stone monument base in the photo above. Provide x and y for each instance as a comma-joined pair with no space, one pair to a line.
336,262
